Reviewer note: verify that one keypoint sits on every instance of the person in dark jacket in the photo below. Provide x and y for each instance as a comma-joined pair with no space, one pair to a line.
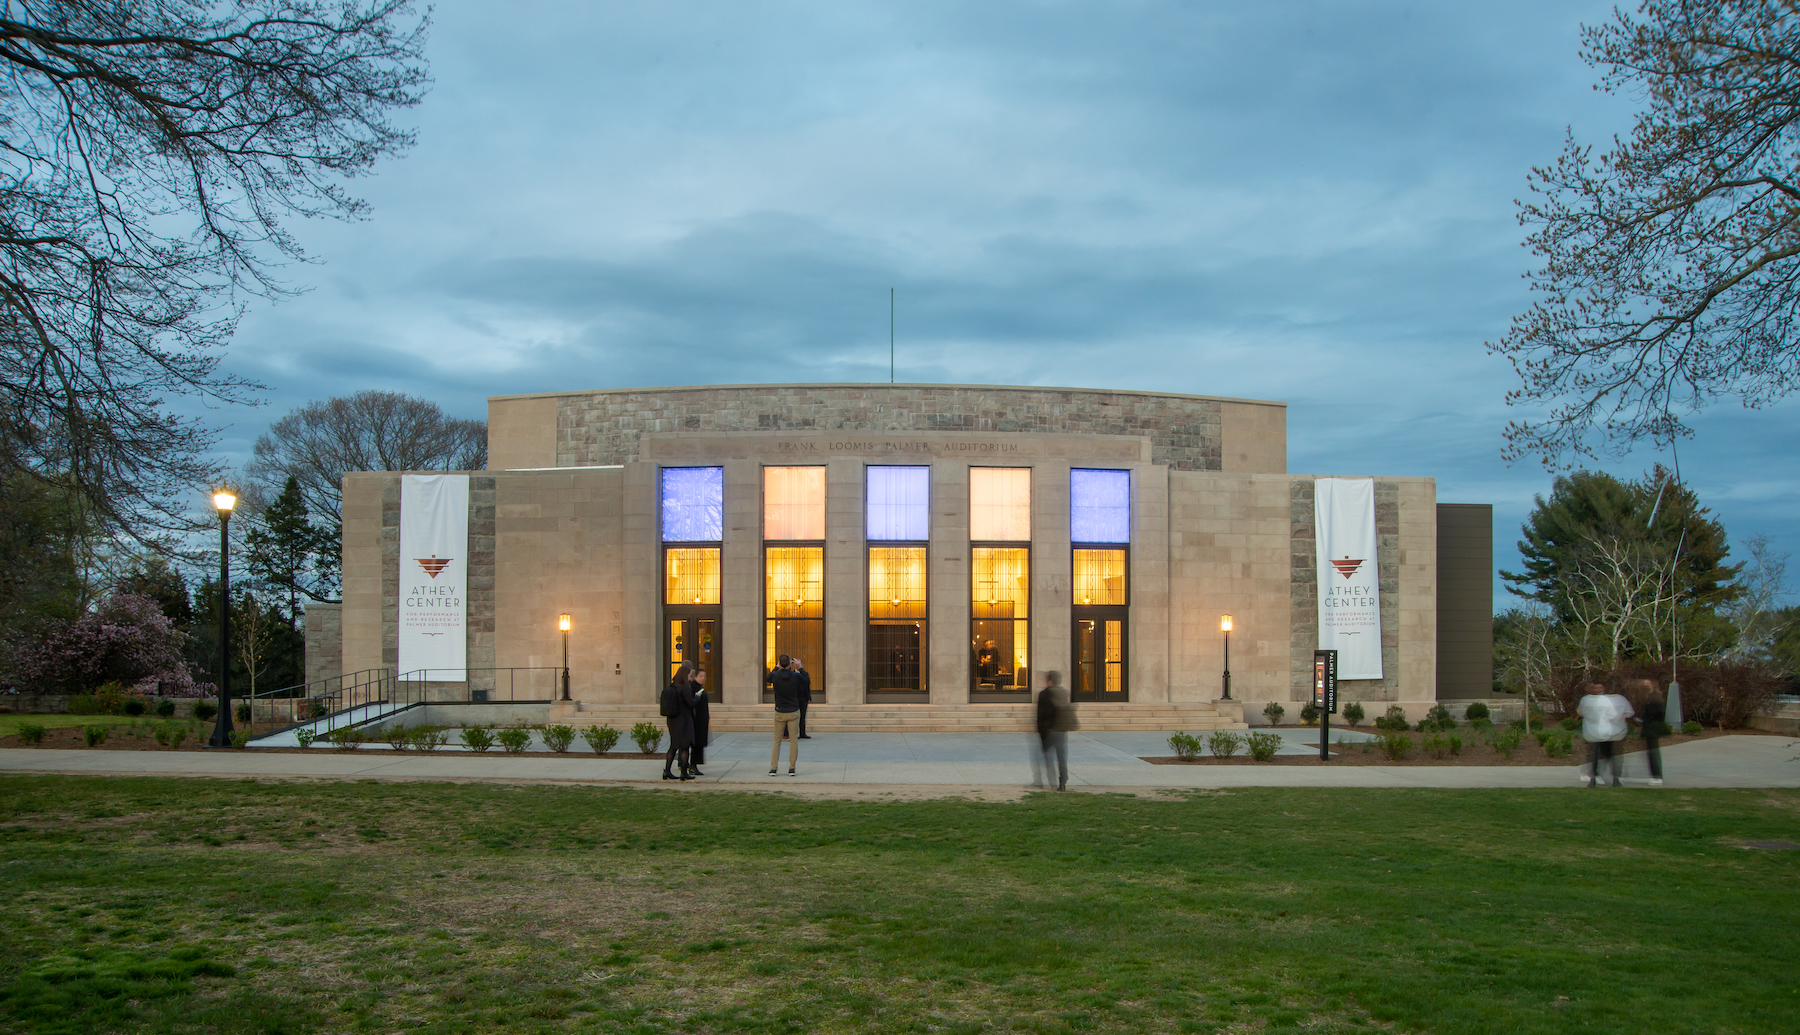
1055,718
702,721
805,694
1654,719
786,682
678,713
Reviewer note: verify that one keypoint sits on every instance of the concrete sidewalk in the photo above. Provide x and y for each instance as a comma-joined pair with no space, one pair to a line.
1096,760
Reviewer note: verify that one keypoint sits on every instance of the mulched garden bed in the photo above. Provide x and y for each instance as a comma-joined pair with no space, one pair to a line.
1474,752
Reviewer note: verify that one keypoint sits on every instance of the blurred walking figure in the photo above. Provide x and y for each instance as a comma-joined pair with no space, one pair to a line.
702,721
786,682
1055,718
678,713
1652,722
1602,726
805,694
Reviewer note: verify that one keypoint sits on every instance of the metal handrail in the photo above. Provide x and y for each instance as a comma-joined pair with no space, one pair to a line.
378,687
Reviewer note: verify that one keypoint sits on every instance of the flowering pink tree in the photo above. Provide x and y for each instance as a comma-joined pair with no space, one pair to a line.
126,640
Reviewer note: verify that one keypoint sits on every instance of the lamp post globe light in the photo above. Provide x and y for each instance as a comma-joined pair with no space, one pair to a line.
223,501
1225,627
563,623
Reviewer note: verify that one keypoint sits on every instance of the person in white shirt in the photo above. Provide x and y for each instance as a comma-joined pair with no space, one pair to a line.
1603,718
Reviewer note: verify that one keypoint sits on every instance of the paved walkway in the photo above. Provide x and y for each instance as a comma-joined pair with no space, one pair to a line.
1096,761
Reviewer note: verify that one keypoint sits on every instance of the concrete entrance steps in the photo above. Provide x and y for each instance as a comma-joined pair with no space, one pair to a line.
1193,717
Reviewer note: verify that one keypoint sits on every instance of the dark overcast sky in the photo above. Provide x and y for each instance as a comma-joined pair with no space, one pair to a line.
1310,202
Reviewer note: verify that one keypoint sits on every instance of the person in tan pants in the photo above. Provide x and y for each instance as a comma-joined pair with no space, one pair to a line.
786,682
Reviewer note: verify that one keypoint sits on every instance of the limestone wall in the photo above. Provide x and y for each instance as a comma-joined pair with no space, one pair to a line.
1186,432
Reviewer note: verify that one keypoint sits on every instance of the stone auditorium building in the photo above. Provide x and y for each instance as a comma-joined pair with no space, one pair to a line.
930,551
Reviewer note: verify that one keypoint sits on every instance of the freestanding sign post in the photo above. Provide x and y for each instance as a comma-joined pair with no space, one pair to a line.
1325,677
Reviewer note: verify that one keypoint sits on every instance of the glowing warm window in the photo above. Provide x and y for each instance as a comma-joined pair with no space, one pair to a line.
897,582
1000,504
1099,577
693,504
794,582
691,576
793,503
1099,506
1002,583
899,504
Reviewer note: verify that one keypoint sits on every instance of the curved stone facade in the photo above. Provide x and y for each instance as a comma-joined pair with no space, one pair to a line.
1185,432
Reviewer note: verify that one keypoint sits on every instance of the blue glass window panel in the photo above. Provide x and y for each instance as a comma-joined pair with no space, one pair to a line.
1099,506
693,504
899,504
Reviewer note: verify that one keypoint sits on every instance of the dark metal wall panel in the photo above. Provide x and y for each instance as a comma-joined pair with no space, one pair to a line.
1465,600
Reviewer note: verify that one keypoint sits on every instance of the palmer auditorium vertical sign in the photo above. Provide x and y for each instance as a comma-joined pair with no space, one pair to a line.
434,567
1349,575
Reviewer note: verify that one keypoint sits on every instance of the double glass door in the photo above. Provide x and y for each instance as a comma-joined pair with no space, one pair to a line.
692,636
1099,655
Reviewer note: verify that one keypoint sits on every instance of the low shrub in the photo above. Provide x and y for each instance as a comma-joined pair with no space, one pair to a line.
177,734
1571,724
84,704
345,738
161,734
1437,719
1185,745
1394,720
558,738
478,738
1353,713
397,736
1543,736
1274,713
1456,743
600,738
1309,714
1435,744
515,739
1692,728
1396,745
1559,743
1506,741
96,735
135,707
165,708
205,710
1657,729
1475,710
430,738
240,738
31,733
1224,743
1482,725
306,735
1517,724
242,711
647,736
1264,745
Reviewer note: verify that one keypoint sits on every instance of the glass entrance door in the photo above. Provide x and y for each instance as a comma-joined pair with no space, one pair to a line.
693,638
1099,654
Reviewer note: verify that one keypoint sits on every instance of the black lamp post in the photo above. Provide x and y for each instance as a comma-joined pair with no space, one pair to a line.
221,734
1225,627
563,621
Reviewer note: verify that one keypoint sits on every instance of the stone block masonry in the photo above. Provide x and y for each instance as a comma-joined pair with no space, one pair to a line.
595,428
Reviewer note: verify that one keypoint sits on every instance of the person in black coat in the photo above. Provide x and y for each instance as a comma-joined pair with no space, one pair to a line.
702,721
805,694
678,713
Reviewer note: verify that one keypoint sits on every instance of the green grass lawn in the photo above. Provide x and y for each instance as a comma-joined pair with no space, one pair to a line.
160,905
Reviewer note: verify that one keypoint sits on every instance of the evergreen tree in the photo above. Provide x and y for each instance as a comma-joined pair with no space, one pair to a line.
286,551
151,576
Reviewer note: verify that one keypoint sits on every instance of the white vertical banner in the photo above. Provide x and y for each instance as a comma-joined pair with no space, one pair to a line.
1349,574
434,574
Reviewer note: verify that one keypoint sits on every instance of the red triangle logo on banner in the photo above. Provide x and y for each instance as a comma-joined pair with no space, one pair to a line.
435,564
1345,567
